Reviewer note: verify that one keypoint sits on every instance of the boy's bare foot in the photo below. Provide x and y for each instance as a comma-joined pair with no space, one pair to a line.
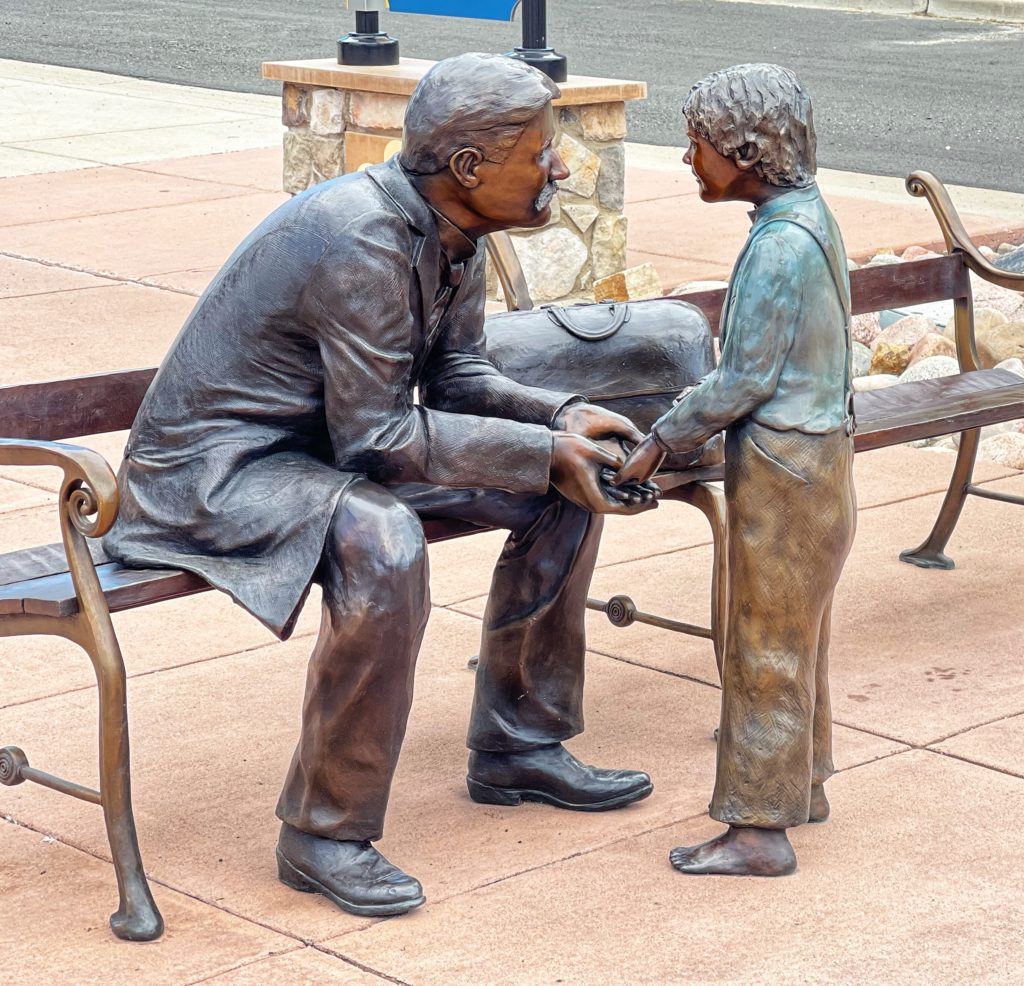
738,852
820,808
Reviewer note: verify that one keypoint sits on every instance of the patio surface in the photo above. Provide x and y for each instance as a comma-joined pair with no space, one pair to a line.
118,200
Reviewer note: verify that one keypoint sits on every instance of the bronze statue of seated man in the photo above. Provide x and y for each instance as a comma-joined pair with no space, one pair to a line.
782,393
280,444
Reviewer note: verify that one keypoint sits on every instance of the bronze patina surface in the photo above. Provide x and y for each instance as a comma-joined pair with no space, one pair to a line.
782,393
281,444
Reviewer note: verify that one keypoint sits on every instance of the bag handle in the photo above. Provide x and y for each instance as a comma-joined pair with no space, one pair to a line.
618,316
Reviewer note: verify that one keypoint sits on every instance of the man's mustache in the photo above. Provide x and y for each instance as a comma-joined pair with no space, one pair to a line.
546,195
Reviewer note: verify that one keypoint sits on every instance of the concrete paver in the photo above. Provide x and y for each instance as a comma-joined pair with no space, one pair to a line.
872,901
54,910
303,967
888,890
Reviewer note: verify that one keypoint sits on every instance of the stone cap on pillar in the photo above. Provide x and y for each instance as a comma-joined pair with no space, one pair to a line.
401,79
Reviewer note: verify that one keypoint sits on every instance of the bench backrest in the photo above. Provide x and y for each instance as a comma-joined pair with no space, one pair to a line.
874,289
108,402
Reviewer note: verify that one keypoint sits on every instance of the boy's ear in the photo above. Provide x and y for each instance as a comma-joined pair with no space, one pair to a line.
747,156
463,164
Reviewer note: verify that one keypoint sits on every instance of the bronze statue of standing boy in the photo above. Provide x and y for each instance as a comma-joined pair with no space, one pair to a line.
782,393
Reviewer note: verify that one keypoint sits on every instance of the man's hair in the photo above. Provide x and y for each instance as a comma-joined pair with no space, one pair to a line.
763,105
472,100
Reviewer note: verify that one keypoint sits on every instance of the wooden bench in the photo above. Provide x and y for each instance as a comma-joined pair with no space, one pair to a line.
70,589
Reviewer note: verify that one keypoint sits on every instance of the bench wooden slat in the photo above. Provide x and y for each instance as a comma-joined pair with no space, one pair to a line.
57,409
874,289
909,412
36,580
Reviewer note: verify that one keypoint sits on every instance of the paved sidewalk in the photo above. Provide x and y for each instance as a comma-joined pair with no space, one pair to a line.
113,217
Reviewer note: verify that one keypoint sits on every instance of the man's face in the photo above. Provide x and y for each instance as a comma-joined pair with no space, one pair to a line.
718,178
518,192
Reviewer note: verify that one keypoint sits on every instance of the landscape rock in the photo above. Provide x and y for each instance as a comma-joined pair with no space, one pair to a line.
1006,449
1014,365
1005,248
890,358
987,295
860,357
633,284
984,319
989,431
584,164
878,381
552,261
987,252
1011,260
932,344
608,252
865,328
1000,342
906,331
918,253
880,259
930,369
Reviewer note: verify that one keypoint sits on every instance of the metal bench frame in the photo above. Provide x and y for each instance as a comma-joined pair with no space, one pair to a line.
62,591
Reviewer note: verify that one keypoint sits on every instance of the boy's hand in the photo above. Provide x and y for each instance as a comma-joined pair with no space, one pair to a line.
641,464
576,468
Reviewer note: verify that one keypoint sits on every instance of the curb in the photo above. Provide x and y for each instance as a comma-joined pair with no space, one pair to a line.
1006,11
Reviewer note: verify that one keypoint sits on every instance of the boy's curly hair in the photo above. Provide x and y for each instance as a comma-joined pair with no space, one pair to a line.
758,104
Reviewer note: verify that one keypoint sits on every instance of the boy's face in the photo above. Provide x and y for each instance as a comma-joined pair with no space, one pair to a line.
719,178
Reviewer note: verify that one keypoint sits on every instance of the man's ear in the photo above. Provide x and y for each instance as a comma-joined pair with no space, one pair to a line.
463,164
747,156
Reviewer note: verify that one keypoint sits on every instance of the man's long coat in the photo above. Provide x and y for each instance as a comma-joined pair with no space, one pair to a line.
295,375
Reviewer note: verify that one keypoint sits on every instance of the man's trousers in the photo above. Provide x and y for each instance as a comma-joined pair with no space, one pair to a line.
376,600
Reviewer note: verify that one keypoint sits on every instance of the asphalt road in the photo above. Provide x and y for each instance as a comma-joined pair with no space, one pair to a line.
891,94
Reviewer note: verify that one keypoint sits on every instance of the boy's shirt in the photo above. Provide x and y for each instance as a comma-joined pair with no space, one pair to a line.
784,332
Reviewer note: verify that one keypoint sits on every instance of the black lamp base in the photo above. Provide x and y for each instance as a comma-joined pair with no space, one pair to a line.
367,49
552,64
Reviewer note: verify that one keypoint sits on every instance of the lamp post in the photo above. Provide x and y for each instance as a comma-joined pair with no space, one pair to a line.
534,50
367,45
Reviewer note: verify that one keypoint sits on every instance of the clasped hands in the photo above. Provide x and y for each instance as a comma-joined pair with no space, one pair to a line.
589,465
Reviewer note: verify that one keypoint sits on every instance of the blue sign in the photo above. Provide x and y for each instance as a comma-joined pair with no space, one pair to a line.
491,10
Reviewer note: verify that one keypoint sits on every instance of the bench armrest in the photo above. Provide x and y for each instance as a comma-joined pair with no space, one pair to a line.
959,243
88,494
925,184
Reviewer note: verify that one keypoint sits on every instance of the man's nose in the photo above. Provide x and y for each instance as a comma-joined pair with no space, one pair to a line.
559,172
688,156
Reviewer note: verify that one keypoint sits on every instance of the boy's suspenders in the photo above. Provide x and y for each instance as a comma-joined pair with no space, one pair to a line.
839,280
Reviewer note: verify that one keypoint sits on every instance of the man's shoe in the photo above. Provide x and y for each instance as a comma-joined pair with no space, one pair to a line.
553,776
352,875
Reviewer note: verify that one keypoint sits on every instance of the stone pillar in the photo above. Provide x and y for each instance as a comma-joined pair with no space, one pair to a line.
340,118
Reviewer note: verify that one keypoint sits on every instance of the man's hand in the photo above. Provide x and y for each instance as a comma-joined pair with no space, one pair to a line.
641,464
595,422
576,466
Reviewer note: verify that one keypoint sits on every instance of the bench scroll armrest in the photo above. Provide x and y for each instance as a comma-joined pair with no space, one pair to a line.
959,243
88,494
925,184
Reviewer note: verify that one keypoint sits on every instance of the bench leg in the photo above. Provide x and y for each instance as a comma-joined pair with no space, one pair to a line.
137,918
931,554
710,500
